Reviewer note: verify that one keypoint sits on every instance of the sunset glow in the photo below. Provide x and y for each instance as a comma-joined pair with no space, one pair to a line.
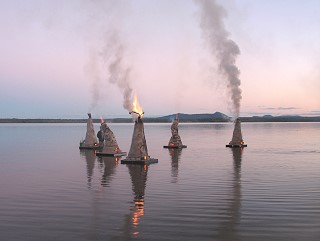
166,58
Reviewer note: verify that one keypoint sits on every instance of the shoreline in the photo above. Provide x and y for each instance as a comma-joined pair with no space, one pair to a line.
162,120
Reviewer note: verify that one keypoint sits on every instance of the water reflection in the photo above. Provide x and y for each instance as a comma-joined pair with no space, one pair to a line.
110,164
138,174
228,229
175,158
90,157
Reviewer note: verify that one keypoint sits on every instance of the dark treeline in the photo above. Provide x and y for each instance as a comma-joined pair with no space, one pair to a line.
169,120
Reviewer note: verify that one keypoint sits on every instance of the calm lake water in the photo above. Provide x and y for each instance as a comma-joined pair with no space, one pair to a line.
49,190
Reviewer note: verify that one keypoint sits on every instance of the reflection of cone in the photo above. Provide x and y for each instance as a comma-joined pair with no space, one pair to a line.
138,153
90,160
228,228
110,164
175,157
138,175
237,157
237,140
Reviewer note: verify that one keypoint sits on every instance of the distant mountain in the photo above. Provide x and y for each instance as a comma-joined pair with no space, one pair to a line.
282,118
217,116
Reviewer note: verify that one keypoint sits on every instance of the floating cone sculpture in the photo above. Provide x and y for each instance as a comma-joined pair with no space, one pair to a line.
237,140
175,140
110,145
138,153
90,141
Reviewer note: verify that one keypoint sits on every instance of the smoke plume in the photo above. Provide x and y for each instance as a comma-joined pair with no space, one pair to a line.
222,47
113,55
104,31
92,71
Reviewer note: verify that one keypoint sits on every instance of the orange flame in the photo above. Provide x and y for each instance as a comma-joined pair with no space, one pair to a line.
137,107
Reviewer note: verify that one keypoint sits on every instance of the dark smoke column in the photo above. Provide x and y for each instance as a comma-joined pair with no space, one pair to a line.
222,47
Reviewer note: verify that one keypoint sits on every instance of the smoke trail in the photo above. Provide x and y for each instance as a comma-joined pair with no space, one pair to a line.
92,71
103,27
222,47
119,72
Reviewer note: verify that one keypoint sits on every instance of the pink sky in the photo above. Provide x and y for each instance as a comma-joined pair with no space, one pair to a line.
46,46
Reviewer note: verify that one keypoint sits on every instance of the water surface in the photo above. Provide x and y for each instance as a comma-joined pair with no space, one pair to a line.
49,190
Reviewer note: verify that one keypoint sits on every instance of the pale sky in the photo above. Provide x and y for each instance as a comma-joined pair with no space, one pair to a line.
50,62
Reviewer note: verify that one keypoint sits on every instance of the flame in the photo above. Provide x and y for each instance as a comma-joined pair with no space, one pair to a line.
137,107
101,120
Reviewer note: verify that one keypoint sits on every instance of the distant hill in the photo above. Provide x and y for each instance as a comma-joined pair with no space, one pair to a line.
215,117
282,118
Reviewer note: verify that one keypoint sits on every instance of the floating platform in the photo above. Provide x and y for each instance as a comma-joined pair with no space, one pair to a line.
139,161
97,147
237,145
175,147
111,154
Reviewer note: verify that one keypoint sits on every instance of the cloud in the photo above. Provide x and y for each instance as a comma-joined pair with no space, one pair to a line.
312,113
279,108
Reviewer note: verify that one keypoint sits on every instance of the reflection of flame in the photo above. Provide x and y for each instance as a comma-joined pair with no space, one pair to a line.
137,107
137,214
101,120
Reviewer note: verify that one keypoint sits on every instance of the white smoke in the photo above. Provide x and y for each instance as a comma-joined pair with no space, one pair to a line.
99,24
92,70
113,55
106,26
222,47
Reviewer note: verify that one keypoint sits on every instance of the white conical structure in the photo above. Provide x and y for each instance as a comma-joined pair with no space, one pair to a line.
175,140
138,153
90,139
110,145
138,149
237,140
